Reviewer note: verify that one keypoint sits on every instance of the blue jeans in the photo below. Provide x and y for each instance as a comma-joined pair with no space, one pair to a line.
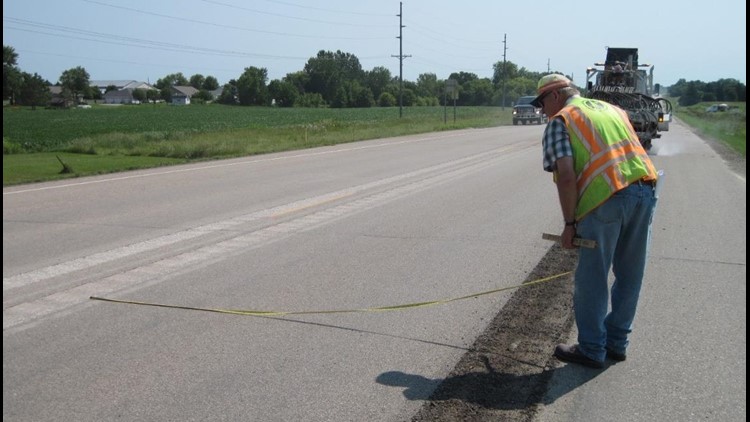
621,227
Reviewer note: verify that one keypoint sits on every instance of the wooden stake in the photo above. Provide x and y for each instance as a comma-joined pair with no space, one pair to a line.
577,241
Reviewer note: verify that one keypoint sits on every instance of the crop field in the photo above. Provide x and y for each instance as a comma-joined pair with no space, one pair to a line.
43,144
54,130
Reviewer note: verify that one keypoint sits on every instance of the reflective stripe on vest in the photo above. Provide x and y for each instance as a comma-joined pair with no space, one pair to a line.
607,154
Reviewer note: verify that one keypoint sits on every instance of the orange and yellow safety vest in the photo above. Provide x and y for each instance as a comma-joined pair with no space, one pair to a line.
607,154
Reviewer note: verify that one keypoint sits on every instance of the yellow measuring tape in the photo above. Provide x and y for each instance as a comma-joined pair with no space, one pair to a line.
335,311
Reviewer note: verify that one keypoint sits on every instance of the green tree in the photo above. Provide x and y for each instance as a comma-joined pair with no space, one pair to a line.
171,80
386,99
76,81
298,79
512,82
311,100
341,99
34,90
696,91
678,89
358,95
251,87
11,74
166,83
514,89
329,71
477,92
283,93
166,94
201,97
427,85
210,84
140,95
691,95
727,90
92,92
229,93
463,77
363,98
504,71
152,95
409,98
377,80
197,81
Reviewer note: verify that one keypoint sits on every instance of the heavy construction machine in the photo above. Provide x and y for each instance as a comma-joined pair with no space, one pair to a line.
623,81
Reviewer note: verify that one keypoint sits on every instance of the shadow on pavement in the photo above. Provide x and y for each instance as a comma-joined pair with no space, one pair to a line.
490,390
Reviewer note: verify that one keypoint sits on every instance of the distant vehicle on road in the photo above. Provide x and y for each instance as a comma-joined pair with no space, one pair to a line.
524,112
625,82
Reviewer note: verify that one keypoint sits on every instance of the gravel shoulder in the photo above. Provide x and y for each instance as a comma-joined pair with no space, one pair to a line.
734,160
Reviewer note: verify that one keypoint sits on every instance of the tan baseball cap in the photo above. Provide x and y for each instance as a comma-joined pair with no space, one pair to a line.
549,83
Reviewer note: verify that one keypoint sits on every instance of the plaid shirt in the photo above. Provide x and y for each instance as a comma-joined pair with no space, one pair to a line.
555,143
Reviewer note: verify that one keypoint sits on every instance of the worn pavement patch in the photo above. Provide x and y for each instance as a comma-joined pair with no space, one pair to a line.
505,374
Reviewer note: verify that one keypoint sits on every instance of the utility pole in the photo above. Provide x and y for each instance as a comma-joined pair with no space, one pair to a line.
547,65
400,60
505,47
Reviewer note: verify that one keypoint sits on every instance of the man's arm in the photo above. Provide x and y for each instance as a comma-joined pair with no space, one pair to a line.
568,195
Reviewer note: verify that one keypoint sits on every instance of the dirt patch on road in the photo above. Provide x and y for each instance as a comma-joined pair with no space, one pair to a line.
505,374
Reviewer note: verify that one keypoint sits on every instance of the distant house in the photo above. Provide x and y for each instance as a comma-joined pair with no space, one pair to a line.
181,94
123,96
216,93
57,99
120,85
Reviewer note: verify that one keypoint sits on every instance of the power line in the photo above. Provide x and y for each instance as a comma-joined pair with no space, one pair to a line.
136,42
326,10
239,28
285,16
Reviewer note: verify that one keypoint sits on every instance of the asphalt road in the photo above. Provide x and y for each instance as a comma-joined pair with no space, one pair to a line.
367,224
349,227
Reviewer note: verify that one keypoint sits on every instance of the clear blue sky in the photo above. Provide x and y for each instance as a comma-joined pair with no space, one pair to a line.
148,39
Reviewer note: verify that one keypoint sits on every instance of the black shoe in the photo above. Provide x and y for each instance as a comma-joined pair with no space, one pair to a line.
571,354
616,356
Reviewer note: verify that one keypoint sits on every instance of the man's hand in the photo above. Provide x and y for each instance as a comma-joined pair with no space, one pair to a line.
566,238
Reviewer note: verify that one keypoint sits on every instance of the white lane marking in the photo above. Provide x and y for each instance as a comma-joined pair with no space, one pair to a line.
27,278
190,261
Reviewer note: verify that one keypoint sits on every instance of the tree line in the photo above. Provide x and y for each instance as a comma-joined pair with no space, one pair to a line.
694,92
331,79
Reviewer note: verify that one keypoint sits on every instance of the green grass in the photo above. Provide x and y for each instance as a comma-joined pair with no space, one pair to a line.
727,126
45,166
106,139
